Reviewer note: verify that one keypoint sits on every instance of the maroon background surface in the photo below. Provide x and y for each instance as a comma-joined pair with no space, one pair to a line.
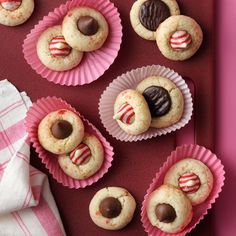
135,164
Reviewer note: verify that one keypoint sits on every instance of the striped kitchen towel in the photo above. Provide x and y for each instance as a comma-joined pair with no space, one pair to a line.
27,206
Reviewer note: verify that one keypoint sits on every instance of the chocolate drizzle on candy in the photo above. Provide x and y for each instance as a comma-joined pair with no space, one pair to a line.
125,114
81,155
158,100
189,183
180,40
110,207
61,129
87,25
165,213
152,13
10,5
58,47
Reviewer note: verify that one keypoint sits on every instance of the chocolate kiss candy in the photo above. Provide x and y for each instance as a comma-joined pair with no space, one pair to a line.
61,129
87,25
110,207
152,13
158,100
165,213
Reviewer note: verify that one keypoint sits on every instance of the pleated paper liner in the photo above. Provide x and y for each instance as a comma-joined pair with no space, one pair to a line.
35,114
130,80
93,64
208,158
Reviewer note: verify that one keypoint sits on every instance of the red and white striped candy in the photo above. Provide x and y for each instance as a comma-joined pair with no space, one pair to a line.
81,154
10,5
189,183
59,47
180,40
125,114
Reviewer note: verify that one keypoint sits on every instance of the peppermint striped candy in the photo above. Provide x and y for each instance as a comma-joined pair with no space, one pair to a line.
189,183
125,114
81,154
10,5
180,40
59,47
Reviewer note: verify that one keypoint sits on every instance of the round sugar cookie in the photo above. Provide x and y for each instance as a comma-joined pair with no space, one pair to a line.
165,100
112,208
55,53
85,160
85,29
179,37
169,209
131,112
146,15
193,177
60,131
15,12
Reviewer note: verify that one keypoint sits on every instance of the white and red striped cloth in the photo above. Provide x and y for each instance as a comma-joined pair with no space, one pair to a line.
27,206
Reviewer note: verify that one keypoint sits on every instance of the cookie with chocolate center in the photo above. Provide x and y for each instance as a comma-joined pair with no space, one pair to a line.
112,208
165,100
169,209
60,131
147,15
85,29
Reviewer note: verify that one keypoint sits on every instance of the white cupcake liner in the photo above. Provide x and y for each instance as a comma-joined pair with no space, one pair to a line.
130,80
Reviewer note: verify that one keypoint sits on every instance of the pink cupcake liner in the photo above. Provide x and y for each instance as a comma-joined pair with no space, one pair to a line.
208,158
35,114
130,80
93,64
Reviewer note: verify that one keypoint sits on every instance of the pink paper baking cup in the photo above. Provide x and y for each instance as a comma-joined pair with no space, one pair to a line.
130,80
35,114
208,158
93,64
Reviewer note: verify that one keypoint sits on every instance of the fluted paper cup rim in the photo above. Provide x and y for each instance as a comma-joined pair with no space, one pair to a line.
34,116
93,64
129,80
208,158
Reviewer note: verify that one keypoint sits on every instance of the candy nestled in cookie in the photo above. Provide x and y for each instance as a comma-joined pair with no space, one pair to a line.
61,129
169,209
87,25
81,154
58,47
192,177
158,100
10,5
125,114
85,29
189,183
110,207
165,213
152,13
180,40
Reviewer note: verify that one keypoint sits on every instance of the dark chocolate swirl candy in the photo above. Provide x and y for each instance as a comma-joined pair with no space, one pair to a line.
87,25
152,13
110,207
158,100
165,213
61,129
